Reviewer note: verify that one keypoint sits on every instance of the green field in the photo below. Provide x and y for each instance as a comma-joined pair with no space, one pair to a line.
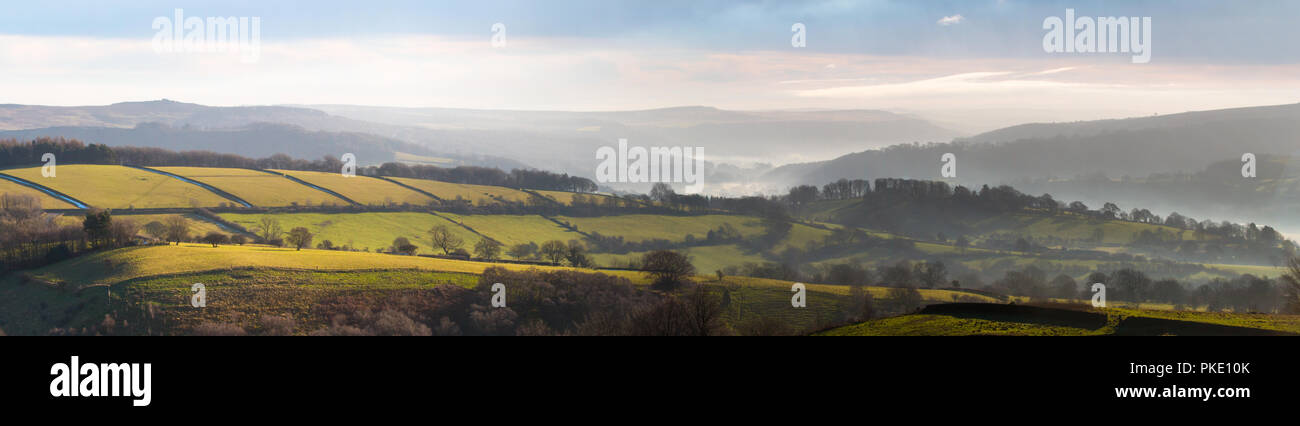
641,227
198,225
403,157
706,259
799,237
362,189
245,282
566,198
47,202
119,187
260,189
373,231
136,262
1071,226
479,195
1068,320
515,229
942,325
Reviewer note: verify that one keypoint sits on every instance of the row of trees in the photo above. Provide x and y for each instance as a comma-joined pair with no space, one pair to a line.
517,178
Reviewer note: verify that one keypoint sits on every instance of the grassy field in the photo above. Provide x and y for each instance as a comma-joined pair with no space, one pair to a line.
136,262
515,229
479,195
258,188
403,157
641,227
362,189
1067,320
706,259
824,210
47,202
943,325
198,225
1075,227
248,281
799,237
566,198
121,187
373,231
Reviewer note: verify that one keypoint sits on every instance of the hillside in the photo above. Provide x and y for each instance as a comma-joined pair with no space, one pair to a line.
1176,163
1067,320
259,188
1063,240
121,187
153,284
1115,148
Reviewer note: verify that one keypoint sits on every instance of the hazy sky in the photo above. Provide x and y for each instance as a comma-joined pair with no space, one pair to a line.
954,60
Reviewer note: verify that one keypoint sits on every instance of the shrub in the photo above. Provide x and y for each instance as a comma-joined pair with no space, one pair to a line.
218,329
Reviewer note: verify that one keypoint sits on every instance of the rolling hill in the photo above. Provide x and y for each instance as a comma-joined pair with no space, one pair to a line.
964,319
121,187
154,282
1131,147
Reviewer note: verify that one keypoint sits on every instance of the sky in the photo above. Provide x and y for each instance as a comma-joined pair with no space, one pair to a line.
960,61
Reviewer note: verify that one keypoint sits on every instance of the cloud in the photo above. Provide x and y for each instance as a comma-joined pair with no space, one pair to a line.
951,20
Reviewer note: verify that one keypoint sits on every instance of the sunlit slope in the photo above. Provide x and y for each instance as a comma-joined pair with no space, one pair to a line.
124,264
515,229
1068,320
258,188
119,265
362,231
362,189
273,281
642,227
476,194
566,198
120,187
48,202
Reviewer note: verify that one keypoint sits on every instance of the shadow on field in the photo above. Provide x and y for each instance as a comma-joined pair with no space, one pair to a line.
1021,314
1141,326
1078,316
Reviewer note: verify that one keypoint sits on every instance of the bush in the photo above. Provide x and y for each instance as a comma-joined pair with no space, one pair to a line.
667,269
218,329
394,323
905,299
766,326
275,325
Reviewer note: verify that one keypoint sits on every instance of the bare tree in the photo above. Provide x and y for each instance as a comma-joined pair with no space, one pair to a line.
177,229
1291,287
270,228
554,251
444,239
